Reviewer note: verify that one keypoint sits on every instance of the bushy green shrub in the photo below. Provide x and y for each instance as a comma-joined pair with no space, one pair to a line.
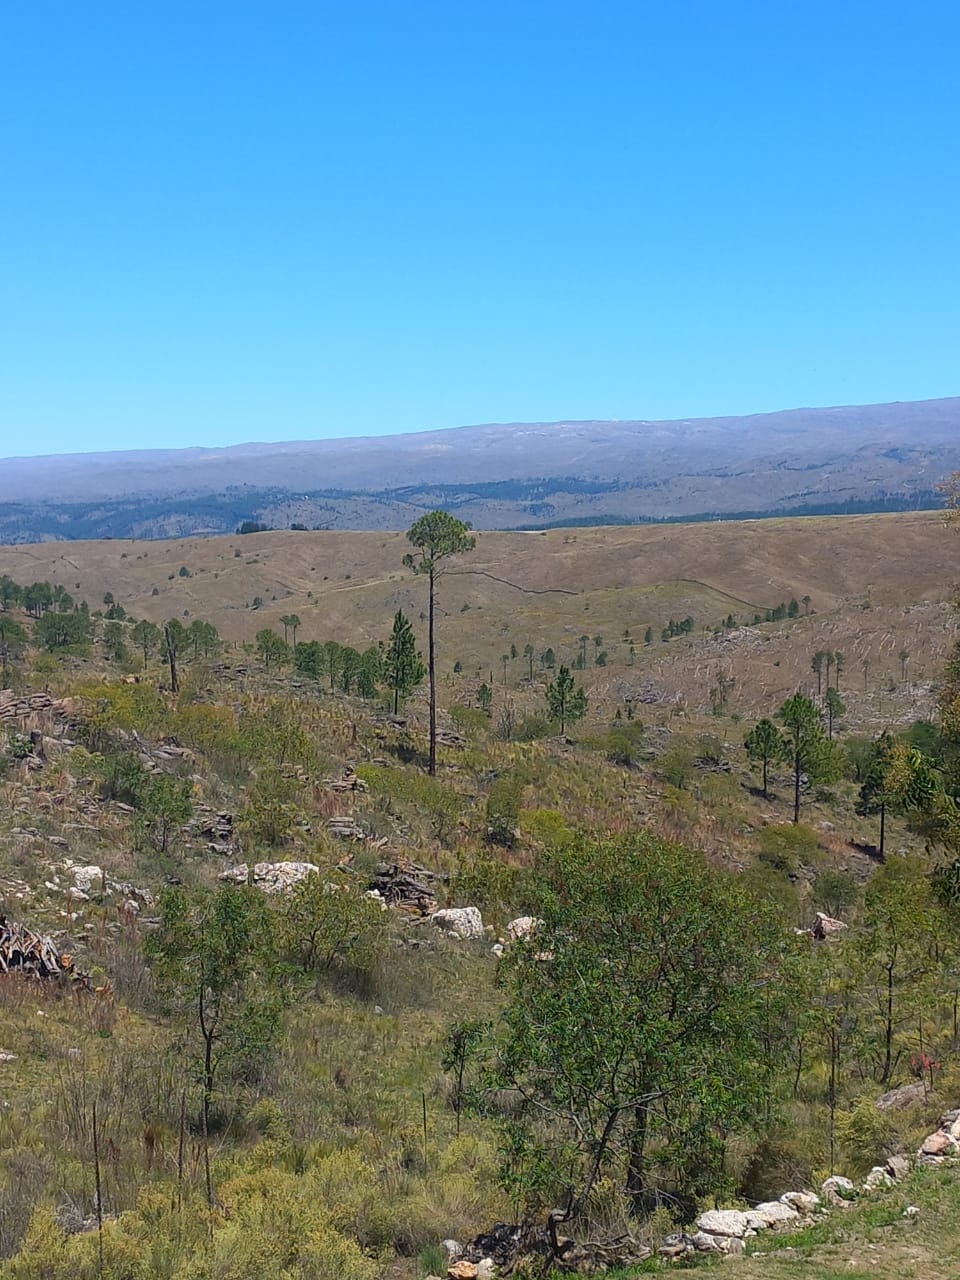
503,810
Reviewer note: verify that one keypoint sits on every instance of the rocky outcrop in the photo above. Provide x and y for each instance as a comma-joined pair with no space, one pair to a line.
465,923
271,877
943,1145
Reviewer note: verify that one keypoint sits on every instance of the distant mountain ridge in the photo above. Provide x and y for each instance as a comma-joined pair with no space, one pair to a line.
518,475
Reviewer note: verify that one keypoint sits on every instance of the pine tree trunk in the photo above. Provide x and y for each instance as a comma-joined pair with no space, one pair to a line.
433,680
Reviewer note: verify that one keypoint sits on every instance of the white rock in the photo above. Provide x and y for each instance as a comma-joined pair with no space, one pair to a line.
838,1191
486,1269
280,877
802,1201
875,1179
497,949
86,877
703,1242
772,1213
235,875
911,1211
452,1248
523,927
724,1222
461,922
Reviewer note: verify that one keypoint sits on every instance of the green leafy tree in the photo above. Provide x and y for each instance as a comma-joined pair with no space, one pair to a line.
402,662
272,649
839,662
204,638
72,631
324,926
485,698
166,803
567,702
437,536
146,636
765,745
900,922
114,642
213,960
332,661
639,1026
10,592
811,753
904,656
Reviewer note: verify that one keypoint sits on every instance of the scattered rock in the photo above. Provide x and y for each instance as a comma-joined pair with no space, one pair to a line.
724,1222
838,1191
522,928
802,1201
904,1096
773,1213
87,878
824,927
875,1179
944,1144
898,1167
463,1270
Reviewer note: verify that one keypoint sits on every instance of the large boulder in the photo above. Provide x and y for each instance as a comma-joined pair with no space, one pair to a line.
802,1201
773,1213
943,1145
459,922
825,927
271,877
724,1222
903,1096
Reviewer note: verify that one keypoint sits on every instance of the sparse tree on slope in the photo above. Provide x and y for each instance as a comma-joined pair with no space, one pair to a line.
811,751
146,636
402,662
437,536
765,746
566,701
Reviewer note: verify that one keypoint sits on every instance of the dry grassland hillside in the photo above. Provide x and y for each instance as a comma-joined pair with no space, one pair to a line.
872,587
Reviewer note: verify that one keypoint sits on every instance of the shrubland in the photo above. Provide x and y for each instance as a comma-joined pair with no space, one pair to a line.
317,1081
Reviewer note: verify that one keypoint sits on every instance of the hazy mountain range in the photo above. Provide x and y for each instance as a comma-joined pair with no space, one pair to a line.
515,475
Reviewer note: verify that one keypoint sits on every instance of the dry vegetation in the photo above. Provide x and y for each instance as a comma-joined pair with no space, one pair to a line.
333,1120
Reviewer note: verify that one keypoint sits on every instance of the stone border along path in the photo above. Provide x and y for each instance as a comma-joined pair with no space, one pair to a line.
725,1231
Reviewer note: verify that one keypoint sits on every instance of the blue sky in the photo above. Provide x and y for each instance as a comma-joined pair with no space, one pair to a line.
268,221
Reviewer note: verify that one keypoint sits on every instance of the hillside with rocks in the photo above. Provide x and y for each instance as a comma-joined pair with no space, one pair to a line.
624,983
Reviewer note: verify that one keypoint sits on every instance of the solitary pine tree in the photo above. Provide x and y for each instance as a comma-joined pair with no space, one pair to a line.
765,745
402,663
566,701
437,536
812,754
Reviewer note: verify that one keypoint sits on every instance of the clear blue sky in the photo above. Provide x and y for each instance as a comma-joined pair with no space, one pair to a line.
265,221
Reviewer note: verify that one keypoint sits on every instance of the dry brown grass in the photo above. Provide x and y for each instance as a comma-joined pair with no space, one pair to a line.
877,584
